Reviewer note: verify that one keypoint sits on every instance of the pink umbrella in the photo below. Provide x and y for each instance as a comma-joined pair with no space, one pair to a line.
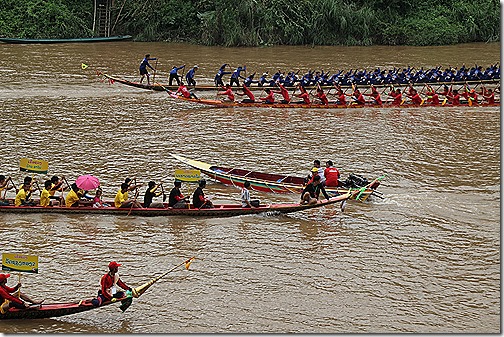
87,182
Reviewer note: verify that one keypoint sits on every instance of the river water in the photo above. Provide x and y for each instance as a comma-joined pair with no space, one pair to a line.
425,259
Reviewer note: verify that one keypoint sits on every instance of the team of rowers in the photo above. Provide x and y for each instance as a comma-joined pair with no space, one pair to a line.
356,76
395,97
52,193
341,77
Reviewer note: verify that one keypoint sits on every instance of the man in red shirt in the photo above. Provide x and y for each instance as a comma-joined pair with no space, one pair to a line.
182,89
432,96
322,96
109,283
7,300
228,92
488,96
270,98
415,97
376,95
397,95
454,97
358,97
331,175
248,93
284,92
304,95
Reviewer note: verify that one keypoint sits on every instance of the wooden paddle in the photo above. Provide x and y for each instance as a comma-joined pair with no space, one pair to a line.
163,192
134,201
154,76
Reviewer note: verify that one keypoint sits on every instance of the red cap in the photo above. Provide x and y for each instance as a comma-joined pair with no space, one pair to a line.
4,277
113,265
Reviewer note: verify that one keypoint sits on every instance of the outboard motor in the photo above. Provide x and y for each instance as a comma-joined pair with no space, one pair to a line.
355,181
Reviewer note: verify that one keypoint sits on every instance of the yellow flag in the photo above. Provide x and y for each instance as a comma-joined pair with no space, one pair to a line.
84,66
188,263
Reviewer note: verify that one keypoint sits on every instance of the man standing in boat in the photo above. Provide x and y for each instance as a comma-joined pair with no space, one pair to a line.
190,76
220,73
143,68
235,76
174,74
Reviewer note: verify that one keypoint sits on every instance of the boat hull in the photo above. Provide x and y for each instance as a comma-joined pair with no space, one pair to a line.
331,105
38,311
228,210
265,182
77,40
166,87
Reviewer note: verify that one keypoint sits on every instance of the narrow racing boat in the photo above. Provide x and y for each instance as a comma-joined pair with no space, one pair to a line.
224,210
69,308
76,40
277,183
218,103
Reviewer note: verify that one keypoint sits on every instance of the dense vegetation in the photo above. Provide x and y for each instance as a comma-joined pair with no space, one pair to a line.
264,22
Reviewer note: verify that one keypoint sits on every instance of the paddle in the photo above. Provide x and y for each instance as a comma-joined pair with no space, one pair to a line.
183,72
163,192
12,182
136,292
406,87
134,201
154,76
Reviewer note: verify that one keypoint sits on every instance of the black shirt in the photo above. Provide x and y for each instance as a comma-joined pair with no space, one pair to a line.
315,190
175,192
196,197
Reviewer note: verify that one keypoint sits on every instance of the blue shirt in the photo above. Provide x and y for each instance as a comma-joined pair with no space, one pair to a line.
190,74
174,70
145,63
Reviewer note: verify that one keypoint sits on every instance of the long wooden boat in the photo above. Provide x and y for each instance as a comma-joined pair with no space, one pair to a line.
166,87
220,210
62,309
278,183
76,40
52,310
227,104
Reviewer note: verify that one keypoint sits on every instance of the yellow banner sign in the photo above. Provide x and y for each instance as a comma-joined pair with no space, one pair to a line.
33,165
190,176
20,262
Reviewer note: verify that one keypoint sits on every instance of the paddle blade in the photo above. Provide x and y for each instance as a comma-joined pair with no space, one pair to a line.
188,263
343,205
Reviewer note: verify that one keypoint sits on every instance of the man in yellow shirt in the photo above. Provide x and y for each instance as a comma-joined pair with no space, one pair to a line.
56,185
45,194
72,198
121,199
23,197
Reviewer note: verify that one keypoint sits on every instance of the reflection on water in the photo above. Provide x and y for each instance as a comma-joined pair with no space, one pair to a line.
424,259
